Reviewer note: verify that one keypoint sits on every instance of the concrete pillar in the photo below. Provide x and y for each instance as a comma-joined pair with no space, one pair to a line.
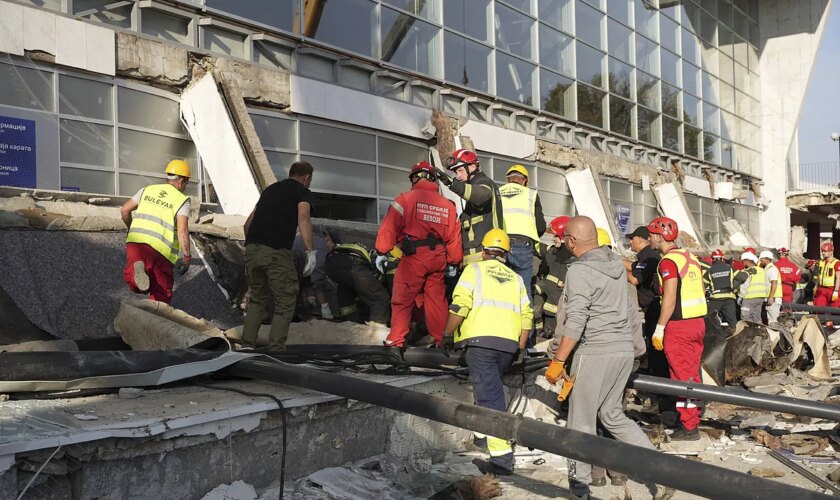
813,251
835,237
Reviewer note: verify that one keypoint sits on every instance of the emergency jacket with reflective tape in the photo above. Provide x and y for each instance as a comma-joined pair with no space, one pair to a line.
757,285
154,221
791,274
827,274
494,302
354,249
482,212
519,210
719,280
778,293
419,214
691,295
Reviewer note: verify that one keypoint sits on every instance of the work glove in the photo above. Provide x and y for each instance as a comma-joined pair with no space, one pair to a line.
326,312
658,339
380,262
444,177
182,265
555,372
450,271
447,343
310,262
835,296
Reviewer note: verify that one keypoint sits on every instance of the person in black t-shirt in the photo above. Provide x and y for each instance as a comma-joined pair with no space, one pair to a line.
269,234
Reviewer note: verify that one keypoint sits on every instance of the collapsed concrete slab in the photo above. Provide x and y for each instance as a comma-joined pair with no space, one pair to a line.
149,325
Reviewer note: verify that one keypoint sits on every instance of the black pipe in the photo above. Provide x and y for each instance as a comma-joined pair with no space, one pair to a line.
642,464
813,309
739,397
822,483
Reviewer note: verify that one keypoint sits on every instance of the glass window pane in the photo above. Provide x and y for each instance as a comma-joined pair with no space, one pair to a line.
711,149
670,67
130,183
347,24
393,182
468,16
276,13
621,116
466,62
648,126
725,41
151,152
692,141
619,9
691,78
691,110
646,19
690,47
557,204
711,91
87,143
708,27
45,4
342,176
425,9
557,13
670,134
619,41
514,79
316,138
514,32
81,97
224,42
588,25
551,180
149,111
275,132
26,87
621,76
647,90
409,42
620,191
590,105
166,26
399,153
670,33
556,50
725,11
280,162
670,100
104,11
87,181
270,54
590,65
647,58
557,94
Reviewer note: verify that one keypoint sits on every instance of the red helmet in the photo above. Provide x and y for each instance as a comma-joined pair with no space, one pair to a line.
827,247
783,251
811,263
665,227
424,170
461,158
558,225
717,254
750,250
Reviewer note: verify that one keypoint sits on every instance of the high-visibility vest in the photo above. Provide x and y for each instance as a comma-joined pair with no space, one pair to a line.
354,249
495,304
154,223
757,289
778,293
719,282
826,277
519,210
691,294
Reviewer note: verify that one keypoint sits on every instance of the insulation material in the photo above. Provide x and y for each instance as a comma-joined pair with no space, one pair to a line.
154,326
587,197
206,117
672,203
809,331
698,186
321,332
499,140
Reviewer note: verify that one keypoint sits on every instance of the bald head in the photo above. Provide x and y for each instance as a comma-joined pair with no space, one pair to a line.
582,235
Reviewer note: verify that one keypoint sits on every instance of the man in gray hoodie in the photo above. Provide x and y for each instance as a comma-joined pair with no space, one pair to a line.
597,323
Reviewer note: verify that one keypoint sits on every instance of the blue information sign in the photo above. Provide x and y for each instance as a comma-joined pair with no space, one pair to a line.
622,217
17,152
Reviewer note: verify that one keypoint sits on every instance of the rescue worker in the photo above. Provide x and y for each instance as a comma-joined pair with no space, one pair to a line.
791,276
523,221
483,209
827,292
490,316
681,326
158,240
773,286
425,226
316,291
753,291
720,285
551,278
350,266
596,326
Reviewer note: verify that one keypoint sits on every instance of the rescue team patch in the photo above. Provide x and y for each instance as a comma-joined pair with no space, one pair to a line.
431,213
502,275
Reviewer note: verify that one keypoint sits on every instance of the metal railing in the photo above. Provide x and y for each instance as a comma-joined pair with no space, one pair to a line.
814,176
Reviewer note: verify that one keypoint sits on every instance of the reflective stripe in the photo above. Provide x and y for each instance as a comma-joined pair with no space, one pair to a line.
467,191
685,404
154,219
693,302
521,211
151,234
552,308
554,279
500,304
396,206
348,310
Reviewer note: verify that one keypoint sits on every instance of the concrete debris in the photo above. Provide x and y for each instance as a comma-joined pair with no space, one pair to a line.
835,475
346,484
320,332
766,472
130,392
84,416
148,325
237,490
803,444
12,219
41,346
759,421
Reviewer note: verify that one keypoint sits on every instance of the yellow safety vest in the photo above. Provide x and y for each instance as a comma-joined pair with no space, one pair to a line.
826,276
154,224
518,210
778,292
757,288
494,302
691,293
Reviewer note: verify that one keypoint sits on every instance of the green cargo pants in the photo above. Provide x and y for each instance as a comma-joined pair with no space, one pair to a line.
271,276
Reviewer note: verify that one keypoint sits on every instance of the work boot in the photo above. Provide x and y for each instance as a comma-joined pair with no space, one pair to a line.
618,479
598,481
141,279
578,490
477,444
683,434
664,492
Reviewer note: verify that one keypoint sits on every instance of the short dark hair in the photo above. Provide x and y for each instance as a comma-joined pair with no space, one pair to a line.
300,169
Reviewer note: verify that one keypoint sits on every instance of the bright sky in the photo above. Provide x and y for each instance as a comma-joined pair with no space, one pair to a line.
821,110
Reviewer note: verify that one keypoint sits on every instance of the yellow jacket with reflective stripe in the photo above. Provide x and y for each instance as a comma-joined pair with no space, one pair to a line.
153,222
691,292
826,276
757,288
518,210
494,302
768,285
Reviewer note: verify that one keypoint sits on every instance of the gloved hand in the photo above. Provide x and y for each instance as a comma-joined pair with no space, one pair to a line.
555,371
447,344
450,271
380,262
835,296
658,339
521,356
182,265
444,177
310,262
326,312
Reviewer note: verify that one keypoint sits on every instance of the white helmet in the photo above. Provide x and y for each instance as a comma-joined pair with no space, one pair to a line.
749,256
766,254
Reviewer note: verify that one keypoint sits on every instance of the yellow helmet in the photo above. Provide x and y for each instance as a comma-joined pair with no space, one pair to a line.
497,239
517,169
604,238
178,167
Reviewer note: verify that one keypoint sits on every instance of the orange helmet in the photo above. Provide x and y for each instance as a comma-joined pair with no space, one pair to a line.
462,158
665,227
558,225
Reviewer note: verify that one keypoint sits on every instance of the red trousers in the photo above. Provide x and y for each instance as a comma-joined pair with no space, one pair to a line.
683,349
158,268
420,273
787,293
822,297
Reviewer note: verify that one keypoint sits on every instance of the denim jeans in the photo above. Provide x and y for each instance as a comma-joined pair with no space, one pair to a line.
521,261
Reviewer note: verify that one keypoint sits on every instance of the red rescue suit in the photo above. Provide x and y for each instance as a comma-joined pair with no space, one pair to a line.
790,275
423,216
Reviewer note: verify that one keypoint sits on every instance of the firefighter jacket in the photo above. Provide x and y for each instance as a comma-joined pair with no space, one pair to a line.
551,276
756,286
691,294
522,211
482,212
778,293
827,274
154,221
494,302
791,274
356,250
420,214
719,279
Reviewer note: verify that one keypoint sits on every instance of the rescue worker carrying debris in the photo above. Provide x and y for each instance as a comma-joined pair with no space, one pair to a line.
827,292
551,278
720,285
681,326
490,316
350,266
773,285
791,275
483,209
523,221
597,305
753,291
157,218
425,226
